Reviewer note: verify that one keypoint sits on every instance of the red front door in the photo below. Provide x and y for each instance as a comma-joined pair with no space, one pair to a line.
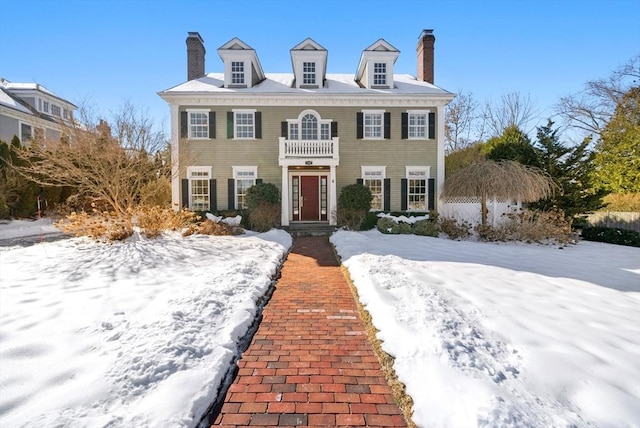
309,198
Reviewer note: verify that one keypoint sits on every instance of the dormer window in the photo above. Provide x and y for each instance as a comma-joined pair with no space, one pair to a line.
309,61
375,70
309,73
237,72
379,74
241,66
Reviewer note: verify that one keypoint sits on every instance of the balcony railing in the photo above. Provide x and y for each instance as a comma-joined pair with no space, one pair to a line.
309,148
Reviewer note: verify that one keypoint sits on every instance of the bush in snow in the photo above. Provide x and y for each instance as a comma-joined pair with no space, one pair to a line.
264,217
391,226
262,193
454,229
210,227
425,228
155,220
612,235
98,225
530,226
354,202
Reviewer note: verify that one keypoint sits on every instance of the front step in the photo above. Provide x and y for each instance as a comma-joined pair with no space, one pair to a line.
310,229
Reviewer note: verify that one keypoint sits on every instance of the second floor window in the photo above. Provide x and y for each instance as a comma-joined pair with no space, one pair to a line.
309,73
417,125
379,73
55,110
198,125
244,124
45,106
373,125
237,73
309,128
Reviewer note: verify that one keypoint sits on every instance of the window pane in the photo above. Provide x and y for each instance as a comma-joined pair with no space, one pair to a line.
293,131
198,125
309,127
373,125
244,125
241,190
375,185
199,194
237,72
324,131
309,73
379,73
417,125
417,194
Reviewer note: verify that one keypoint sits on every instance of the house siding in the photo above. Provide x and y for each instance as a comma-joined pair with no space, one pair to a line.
222,153
8,128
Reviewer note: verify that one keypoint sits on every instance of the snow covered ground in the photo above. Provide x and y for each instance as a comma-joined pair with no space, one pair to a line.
505,335
133,334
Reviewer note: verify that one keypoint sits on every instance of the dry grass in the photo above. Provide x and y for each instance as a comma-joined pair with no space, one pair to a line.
402,399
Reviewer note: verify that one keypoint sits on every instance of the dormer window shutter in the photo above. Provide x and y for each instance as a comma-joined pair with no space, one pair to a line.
212,124
359,125
230,124
432,126
258,119
284,130
405,126
184,124
387,125
334,129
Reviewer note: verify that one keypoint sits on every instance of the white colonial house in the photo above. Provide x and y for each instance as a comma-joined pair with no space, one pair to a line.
308,132
29,111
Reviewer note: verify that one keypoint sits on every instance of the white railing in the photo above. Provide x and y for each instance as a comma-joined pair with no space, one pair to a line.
309,148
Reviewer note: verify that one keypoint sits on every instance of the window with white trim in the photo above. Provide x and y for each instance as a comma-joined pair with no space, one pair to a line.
417,188
245,177
417,125
55,110
309,126
373,125
199,191
373,178
45,106
198,124
244,124
379,74
65,114
237,73
26,132
309,73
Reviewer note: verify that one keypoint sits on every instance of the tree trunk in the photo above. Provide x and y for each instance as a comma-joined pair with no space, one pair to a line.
483,208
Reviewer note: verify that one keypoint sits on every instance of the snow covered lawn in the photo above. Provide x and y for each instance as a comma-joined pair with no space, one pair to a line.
505,335
133,334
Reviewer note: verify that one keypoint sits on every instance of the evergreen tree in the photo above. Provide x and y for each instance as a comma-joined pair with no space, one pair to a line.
617,158
571,169
513,145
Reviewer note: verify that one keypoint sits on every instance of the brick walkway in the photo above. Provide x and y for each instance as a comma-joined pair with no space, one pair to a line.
310,363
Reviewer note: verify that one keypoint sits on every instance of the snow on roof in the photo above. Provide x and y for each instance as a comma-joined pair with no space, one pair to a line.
283,82
8,101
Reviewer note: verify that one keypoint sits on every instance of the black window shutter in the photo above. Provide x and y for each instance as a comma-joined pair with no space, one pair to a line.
405,126
258,119
387,125
431,186
231,194
432,126
184,124
185,193
360,181
359,127
284,129
403,194
212,124
258,180
230,124
213,196
334,129
387,194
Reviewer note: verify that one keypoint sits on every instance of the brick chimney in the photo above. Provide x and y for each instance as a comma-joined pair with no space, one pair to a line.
425,56
195,55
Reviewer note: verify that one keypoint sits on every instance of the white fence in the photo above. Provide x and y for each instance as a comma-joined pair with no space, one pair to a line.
469,209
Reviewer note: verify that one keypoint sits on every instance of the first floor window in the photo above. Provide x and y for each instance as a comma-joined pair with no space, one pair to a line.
244,124
373,125
198,124
26,132
418,126
199,187
373,178
417,188
245,177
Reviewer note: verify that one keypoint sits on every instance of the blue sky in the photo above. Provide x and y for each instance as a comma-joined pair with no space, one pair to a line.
106,52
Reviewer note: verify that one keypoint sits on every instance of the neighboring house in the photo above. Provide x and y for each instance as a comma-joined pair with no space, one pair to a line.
31,111
308,132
